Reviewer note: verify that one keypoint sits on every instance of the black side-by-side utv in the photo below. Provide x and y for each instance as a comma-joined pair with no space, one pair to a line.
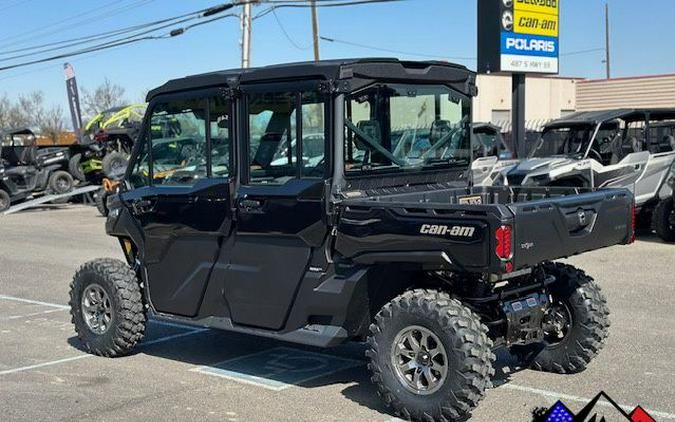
26,170
280,205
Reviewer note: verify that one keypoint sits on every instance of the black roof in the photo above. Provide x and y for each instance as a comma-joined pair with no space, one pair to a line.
351,73
16,131
597,117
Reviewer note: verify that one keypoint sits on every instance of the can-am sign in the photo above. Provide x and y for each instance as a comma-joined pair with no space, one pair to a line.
518,36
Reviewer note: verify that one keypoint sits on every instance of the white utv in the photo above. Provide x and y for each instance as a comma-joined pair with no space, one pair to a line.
492,156
632,148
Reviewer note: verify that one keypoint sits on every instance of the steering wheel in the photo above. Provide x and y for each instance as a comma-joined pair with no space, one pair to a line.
597,155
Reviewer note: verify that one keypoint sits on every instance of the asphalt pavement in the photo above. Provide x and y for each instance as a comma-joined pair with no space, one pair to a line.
185,373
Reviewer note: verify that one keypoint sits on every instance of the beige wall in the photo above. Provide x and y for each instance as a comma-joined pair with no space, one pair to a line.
545,97
650,91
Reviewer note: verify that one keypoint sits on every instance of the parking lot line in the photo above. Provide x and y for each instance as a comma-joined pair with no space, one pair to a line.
66,360
32,314
66,307
33,302
560,396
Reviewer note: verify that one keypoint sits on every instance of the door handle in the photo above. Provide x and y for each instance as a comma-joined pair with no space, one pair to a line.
252,206
143,206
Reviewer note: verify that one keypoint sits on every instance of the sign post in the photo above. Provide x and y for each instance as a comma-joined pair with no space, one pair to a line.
73,100
518,37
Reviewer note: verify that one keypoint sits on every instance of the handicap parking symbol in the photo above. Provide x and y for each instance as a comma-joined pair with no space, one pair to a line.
279,368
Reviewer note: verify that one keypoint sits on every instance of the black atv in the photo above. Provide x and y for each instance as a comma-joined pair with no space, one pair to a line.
26,170
242,221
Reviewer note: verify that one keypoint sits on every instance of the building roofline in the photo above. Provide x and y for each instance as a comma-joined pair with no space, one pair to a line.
629,78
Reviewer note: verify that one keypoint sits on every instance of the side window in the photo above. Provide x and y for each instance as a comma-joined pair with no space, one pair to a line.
219,111
313,135
178,140
271,140
140,175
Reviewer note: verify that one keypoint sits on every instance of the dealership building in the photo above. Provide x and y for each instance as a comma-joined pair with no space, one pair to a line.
552,97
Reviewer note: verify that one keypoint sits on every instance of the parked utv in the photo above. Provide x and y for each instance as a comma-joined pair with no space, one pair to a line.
106,143
492,157
350,241
26,171
616,148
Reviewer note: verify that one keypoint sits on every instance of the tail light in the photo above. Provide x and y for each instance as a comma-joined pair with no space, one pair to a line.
504,246
633,222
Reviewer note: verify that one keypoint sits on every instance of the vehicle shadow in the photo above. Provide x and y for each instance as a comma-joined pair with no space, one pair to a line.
651,237
210,348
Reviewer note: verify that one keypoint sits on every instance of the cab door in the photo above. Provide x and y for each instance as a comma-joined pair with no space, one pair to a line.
279,205
182,196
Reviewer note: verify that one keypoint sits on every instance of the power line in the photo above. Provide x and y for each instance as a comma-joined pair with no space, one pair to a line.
435,56
71,22
321,3
388,50
124,41
286,34
102,35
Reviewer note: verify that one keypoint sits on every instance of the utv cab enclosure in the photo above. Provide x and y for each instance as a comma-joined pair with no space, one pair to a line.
275,202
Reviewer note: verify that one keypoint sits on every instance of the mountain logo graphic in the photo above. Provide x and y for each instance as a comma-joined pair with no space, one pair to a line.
601,409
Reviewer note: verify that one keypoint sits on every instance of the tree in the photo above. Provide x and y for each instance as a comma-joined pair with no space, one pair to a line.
105,96
52,124
29,111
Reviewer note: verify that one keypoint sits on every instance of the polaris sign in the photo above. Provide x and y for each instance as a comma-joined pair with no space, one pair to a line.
528,45
519,36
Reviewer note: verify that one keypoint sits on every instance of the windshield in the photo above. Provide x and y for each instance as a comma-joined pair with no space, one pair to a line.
568,141
406,128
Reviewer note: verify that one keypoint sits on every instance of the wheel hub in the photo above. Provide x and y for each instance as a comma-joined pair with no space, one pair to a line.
419,360
97,310
557,322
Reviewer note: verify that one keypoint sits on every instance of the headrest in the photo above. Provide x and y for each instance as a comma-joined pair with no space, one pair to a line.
370,128
439,129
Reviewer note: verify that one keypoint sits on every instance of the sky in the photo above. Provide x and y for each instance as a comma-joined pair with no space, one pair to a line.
641,39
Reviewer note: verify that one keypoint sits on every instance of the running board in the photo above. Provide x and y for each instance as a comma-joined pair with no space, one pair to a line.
49,198
312,335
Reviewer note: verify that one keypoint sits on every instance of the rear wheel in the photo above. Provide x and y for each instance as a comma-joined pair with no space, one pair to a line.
664,220
429,356
575,325
107,307
5,200
61,182
75,167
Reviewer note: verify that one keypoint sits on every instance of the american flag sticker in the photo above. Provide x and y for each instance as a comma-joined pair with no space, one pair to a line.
559,413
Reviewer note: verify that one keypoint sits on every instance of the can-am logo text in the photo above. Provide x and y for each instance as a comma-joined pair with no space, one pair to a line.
439,230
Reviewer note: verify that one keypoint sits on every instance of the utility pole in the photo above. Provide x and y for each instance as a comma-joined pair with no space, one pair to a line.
315,30
246,22
607,55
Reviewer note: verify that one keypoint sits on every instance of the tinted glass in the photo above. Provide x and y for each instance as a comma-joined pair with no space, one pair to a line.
406,128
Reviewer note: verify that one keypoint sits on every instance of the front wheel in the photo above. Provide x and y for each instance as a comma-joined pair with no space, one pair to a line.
575,325
107,307
5,200
429,356
102,202
75,167
664,220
